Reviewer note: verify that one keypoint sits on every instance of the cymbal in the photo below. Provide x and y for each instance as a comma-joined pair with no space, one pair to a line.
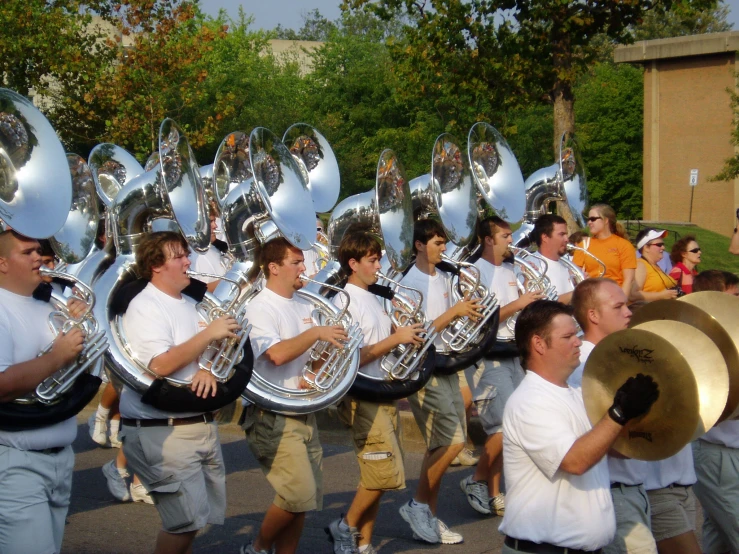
693,384
714,313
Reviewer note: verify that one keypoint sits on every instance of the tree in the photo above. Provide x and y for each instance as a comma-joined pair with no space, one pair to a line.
610,128
45,43
682,20
315,27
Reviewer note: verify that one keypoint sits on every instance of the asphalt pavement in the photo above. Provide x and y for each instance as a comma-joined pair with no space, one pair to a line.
99,524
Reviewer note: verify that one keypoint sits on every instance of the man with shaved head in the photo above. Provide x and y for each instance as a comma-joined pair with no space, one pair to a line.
37,469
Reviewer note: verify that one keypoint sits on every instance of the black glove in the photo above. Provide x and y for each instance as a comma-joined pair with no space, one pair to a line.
634,398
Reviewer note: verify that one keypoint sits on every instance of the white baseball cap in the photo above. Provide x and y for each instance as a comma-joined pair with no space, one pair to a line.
650,236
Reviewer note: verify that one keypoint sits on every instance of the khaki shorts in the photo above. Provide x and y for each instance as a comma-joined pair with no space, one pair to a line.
290,455
673,511
633,533
439,412
375,432
717,469
182,468
493,382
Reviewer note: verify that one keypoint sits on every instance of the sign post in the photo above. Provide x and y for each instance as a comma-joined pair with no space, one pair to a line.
693,183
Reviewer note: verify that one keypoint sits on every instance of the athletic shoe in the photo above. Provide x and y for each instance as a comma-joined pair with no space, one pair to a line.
497,504
477,494
115,441
116,481
249,549
345,542
447,535
140,494
369,550
98,430
465,458
422,521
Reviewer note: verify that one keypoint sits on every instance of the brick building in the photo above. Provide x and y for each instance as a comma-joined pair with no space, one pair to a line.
687,126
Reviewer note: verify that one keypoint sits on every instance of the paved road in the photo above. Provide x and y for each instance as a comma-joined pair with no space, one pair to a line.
99,524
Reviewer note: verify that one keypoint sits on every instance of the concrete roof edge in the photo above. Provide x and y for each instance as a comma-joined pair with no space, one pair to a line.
677,47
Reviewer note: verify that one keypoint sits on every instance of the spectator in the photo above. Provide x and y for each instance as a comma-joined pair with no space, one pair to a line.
650,282
685,255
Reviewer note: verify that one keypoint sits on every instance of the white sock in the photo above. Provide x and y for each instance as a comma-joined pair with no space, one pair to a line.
364,547
343,525
115,425
122,471
102,413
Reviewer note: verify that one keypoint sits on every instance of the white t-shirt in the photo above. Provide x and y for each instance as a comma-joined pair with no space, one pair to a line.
558,274
209,262
541,422
677,469
575,379
501,280
24,332
628,472
274,318
366,309
726,433
153,323
220,233
311,258
436,290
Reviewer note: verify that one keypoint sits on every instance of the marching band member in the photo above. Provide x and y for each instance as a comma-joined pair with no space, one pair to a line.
374,425
494,380
438,408
177,456
286,447
550,235
558,494
36,473
600,307
210,261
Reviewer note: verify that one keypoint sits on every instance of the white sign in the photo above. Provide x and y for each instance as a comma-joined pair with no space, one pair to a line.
693,177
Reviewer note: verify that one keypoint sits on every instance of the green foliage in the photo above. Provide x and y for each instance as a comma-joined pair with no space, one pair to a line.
683,19
315,27
528,132
610,127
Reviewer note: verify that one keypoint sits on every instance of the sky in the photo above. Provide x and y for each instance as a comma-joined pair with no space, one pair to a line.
288,13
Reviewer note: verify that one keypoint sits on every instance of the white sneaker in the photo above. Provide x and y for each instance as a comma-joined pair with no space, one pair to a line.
497,505
477,494
249,549
116,481
422,521
115,441
98,430
140,494
465,458
447,535
345,542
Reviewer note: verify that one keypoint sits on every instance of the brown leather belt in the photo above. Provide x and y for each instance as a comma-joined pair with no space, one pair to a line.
543,548
172,421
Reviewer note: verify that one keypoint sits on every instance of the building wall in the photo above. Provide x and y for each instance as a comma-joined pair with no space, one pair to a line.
687,125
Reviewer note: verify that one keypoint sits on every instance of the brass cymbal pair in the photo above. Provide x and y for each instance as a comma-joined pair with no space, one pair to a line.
690,347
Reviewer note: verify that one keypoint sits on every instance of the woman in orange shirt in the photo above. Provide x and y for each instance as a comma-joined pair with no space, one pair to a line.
608,243
650,282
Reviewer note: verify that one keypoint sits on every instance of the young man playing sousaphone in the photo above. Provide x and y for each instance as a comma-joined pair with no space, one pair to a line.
286,447
494,379
178,455
374,425
438,408
36,473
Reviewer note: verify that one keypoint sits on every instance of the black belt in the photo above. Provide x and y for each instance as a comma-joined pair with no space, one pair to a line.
54,450
617,485
172,421
543,548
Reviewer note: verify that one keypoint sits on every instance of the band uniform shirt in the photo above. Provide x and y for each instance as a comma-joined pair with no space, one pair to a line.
725,433
367,310
541,422
501,280
274,318
154,322
310,260
675,470
436,290
209,262
615,252
626,471
24,332
558,274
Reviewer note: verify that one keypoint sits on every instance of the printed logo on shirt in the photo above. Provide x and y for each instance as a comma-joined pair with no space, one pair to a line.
202,325
446,295
307,321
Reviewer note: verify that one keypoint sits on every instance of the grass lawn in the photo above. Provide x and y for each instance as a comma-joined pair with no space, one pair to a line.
714,247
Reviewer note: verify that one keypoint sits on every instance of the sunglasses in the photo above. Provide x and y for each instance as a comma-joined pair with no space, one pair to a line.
658,244
694,250
592,219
